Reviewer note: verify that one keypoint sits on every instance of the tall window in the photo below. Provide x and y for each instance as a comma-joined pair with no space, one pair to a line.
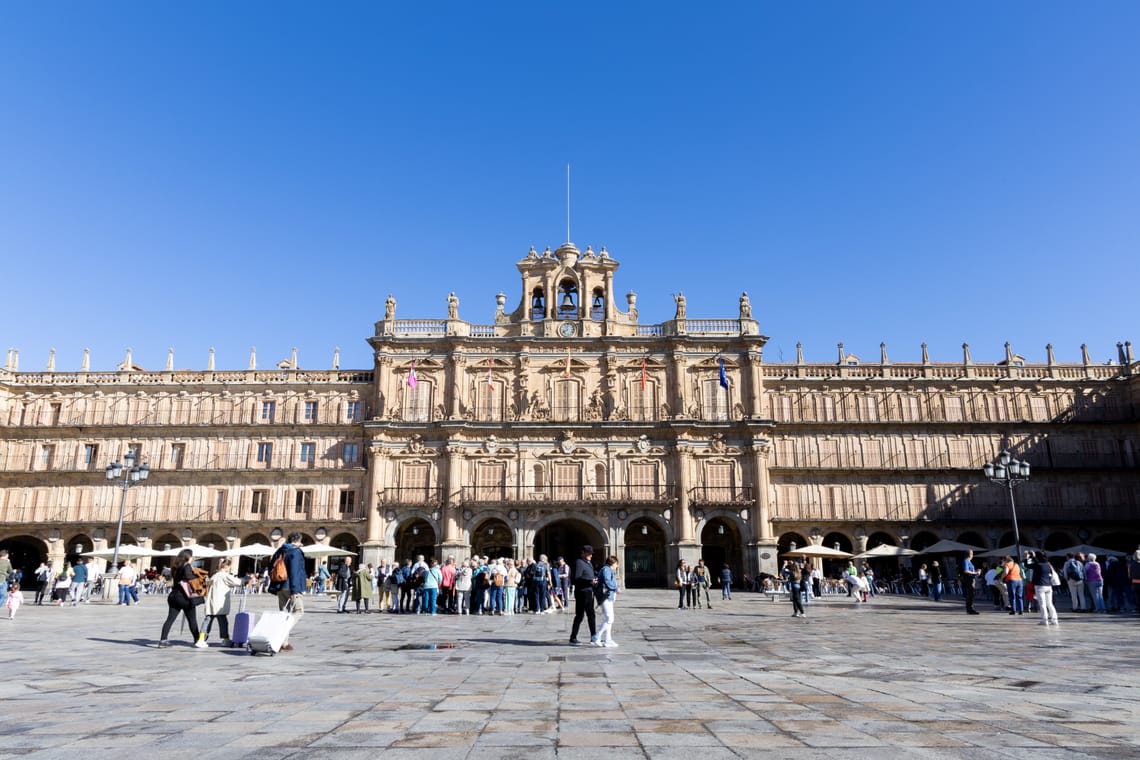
643,480
56,411
643,403
872,453
491,480
303,502
268,411
954,408
1038,409
489,399
871,408
719,482
347,502
91,455
308,453
714,401
219,503
911,408
567,481
414,482
539,478
260,503
352,453
177,455
828,453
417,402
827,409
310,411
265,453
565,401
47,456
352,411
599,478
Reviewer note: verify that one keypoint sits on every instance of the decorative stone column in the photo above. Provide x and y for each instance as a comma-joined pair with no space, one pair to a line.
679,366
756,385
457,363
374,549
686,547
762,547
452,542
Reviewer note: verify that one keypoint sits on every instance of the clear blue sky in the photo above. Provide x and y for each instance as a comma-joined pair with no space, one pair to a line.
264,174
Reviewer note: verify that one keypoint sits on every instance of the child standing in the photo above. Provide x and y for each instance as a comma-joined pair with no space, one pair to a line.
14,601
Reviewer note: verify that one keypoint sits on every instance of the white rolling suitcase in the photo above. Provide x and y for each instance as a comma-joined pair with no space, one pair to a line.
270,632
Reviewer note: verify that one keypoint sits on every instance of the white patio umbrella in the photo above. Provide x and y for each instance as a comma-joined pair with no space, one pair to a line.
201,551
1011,550
126,551
1086,549
324,550
818,551
946,546
256,551
886,550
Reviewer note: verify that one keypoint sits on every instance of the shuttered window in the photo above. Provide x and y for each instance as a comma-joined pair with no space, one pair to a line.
491,481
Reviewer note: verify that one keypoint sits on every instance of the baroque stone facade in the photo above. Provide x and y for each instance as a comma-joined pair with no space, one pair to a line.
565,422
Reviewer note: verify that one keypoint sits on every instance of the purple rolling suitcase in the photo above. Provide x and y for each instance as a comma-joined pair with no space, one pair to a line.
243,624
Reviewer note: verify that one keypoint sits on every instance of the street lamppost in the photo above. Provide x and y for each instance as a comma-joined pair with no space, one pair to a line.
124,475
1009,472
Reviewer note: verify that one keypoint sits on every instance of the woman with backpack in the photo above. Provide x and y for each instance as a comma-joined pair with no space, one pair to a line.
181,600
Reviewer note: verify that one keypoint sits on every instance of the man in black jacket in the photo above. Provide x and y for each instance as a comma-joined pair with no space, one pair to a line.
343,585
583,579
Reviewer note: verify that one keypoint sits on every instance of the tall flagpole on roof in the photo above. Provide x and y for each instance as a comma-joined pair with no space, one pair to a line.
567,201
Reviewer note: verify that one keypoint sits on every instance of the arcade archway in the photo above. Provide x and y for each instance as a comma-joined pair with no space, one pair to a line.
26,553
720,546
645,555
565,538
415,538
493,538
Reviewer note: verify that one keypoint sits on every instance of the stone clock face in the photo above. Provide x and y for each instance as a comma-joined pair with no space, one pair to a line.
566,329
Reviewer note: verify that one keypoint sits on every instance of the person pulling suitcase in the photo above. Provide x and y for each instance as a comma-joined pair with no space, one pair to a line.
287,579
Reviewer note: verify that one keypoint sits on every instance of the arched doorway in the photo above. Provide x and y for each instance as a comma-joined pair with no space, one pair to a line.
75,546
413,539
565,538
164,543
1123,541
25,553
923,539
789,542
1055,541
346,542
720,545
493,538
884,567
645,555
974,539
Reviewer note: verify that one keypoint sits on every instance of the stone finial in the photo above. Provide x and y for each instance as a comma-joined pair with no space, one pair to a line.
1008,354
1085,354
293,359
1128,351
336,358
1120,353
170,359
15,360
799,353
925,354
966,354
840,352
210,361
253,358
1049,358
86,366
51,361
500,300
128,363
883,353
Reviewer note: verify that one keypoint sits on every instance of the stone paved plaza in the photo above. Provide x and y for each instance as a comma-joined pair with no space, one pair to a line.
898,677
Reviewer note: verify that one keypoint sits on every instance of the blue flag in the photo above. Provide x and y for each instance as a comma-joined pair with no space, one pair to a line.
723,377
